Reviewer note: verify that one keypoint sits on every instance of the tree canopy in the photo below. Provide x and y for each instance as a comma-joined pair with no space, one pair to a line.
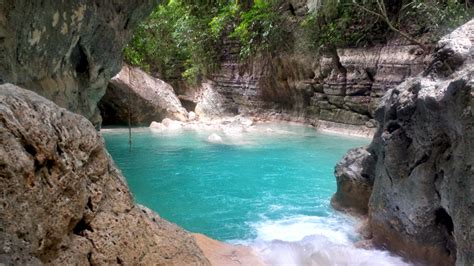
182,38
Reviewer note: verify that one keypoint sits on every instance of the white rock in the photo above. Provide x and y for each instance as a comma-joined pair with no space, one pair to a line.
246,122
214,138
191,126
155,126
192,116
172,124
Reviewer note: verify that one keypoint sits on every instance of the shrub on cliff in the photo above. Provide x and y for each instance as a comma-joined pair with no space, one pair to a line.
175,41
181,38
344,23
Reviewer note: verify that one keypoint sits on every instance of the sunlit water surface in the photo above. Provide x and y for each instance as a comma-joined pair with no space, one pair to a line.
269,188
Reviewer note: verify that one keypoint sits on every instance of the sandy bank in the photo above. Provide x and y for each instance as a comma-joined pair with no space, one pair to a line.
219,253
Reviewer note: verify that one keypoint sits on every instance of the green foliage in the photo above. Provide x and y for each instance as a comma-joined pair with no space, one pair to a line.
225,18
182,37
175,41
259,28
437,17
339,23
153,46
342,23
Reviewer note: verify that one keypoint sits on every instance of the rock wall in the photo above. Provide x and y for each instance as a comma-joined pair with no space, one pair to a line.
419,164
66,51
344,85
62,199
64,202
302,88
146,99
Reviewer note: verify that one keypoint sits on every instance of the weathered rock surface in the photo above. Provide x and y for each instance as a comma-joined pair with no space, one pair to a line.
305,89
422,202
354,184
146,98
211,103
64,202
66,51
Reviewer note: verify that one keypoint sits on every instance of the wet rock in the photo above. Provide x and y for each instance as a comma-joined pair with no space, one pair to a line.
134,93
354,183
64,201
67,51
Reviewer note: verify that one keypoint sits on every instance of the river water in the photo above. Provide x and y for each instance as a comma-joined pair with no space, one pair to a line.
269,188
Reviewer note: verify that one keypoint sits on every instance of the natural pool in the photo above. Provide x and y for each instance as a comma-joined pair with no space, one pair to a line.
269,188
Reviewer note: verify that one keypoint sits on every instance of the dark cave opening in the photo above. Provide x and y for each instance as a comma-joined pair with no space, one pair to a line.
442,218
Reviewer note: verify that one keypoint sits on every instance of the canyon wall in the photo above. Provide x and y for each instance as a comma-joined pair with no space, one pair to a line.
67,51
417,176
344,86
63,201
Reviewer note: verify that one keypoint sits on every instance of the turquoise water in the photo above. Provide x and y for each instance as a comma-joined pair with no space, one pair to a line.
273,183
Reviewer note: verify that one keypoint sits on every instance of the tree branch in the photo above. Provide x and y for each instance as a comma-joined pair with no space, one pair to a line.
383,14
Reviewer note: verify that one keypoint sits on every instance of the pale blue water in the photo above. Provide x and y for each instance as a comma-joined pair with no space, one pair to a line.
266,185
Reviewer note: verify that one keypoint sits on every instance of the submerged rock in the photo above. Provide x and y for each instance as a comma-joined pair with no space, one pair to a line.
63,201
422,203
145,97
67,51
214,138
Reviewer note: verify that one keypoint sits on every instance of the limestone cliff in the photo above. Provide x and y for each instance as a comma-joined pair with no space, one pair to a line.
419,164
296,87
64,202
343,86
134,94
66,50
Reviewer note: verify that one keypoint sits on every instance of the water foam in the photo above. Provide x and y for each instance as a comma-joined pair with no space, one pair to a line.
311,240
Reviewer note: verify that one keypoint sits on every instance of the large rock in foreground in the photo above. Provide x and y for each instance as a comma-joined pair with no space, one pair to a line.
67,50
64,202
354,184
145,97
422,203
